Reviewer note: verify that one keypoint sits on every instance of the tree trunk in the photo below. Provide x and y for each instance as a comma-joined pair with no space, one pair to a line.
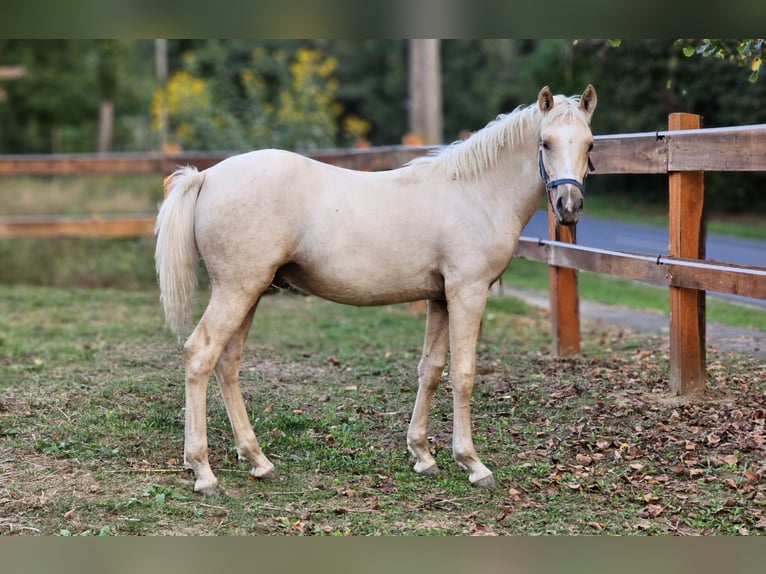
105,126
425,91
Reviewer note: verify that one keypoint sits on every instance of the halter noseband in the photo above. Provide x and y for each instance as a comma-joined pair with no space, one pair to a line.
549,185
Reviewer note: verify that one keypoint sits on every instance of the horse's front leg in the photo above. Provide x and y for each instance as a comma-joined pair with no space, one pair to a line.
430,370
466,308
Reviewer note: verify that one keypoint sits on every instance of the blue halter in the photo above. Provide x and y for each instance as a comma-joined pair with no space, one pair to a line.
549,185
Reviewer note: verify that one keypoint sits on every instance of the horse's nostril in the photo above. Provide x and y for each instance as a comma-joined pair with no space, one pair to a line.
569,204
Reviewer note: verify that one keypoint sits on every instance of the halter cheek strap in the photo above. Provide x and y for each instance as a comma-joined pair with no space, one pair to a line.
549,185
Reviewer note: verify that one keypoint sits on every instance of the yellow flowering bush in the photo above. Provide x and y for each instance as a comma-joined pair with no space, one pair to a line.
292,101
192,121
283,100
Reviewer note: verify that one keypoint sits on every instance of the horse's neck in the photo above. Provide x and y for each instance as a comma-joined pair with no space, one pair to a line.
516,185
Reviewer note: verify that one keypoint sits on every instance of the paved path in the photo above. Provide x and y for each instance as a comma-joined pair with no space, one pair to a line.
747,341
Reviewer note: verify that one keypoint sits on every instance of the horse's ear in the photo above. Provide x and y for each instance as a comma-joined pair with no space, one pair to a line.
545,99
588,100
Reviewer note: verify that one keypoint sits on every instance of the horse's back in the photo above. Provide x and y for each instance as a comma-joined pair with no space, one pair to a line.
350,236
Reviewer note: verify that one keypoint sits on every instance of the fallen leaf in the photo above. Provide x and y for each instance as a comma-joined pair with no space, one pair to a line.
481,530
516,495
506,512
299,526
583,459
651,511
644,525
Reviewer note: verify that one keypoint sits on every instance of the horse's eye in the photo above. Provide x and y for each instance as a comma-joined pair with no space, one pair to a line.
545,144
590,147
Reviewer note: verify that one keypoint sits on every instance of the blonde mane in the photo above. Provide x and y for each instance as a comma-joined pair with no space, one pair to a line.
468,158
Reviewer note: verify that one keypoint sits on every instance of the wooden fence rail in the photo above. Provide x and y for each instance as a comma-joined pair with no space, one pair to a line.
136,225
682,153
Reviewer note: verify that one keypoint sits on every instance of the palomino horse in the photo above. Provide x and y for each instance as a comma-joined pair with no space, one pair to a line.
441,228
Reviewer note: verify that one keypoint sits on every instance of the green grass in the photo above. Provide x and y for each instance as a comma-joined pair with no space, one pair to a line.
91,427
631,294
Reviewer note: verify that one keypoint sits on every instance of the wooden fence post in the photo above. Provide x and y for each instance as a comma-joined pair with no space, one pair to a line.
686,239
564,303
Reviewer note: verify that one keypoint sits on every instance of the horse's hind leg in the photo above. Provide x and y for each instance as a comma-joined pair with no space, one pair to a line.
227,373
430,369
222,318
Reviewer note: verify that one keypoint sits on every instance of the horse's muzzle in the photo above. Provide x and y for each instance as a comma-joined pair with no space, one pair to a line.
568,205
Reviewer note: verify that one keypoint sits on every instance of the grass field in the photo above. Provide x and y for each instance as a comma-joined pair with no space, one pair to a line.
91,423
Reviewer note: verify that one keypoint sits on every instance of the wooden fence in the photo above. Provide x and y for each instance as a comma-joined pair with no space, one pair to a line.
683,152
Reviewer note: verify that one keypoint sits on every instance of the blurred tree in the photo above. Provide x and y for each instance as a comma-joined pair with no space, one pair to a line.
56,106
372,85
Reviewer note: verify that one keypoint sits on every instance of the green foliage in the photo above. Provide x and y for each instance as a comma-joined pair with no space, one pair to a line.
641,82
372,84
254,97
747,52
54,106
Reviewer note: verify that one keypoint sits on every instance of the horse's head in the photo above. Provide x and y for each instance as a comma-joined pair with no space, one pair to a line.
565,144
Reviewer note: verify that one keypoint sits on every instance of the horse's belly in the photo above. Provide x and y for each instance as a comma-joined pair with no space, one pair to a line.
364,289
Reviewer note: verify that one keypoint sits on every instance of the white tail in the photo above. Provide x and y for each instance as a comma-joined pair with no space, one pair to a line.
176,252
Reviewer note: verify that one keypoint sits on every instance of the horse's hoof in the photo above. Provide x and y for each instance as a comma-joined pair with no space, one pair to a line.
485,482
269,476
209,490
432,470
